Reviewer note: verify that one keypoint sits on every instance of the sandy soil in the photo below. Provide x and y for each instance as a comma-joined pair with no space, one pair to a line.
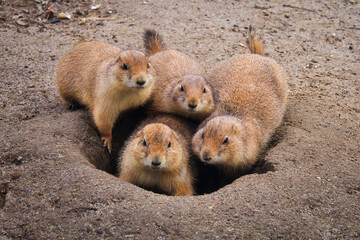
308,188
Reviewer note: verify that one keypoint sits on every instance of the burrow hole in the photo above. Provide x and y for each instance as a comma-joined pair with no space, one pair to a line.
208,178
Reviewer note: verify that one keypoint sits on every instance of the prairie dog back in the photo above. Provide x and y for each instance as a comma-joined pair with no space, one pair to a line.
76,71
253,86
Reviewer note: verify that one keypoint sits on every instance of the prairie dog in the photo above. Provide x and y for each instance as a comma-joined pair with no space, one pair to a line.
106,80
252,92
181,87
156,156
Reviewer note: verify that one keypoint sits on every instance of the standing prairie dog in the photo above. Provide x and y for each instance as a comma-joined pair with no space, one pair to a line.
181,87
156,156
252,92
106,80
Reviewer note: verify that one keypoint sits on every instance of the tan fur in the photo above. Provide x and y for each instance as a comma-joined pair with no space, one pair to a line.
254,44
173,175
153,42
175,69
92,74
252,92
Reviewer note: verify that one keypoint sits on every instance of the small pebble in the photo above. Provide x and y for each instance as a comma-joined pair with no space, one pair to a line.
96,7
82,21
64,16
23,23
99,231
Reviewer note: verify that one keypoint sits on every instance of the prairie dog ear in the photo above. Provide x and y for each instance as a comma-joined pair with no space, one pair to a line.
174,135
140,133
238,128
179,80
118,59
235,129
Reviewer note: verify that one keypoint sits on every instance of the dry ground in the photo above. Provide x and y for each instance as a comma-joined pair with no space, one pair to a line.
49,190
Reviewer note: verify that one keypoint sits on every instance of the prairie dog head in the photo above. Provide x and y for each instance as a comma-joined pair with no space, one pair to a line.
193,97
220,142
157,147
133,69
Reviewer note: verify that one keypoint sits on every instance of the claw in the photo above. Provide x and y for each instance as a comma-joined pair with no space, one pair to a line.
73,107
184,191
107,143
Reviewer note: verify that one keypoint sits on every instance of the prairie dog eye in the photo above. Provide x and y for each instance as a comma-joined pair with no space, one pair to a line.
226,140
148,65
202,135
144,142
182,88
169,145
124,66
204,90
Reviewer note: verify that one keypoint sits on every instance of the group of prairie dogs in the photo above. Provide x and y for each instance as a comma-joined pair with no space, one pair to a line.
237,108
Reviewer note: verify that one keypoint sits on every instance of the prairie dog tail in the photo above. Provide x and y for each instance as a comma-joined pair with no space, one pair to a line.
153,42
254,44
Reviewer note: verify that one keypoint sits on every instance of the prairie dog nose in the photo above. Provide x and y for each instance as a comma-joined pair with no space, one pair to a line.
192,104
207,156
155,163
140,80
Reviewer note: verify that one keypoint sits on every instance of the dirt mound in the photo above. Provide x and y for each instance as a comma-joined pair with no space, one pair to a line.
307,186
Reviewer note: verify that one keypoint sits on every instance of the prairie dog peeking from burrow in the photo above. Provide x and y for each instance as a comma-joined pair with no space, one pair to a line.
156,156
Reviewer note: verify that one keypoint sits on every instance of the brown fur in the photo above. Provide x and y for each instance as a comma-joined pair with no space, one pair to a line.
175,69
92,74
174,176
254,44
252,92
153,42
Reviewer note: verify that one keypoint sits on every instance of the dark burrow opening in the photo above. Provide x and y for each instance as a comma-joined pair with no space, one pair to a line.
208,178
